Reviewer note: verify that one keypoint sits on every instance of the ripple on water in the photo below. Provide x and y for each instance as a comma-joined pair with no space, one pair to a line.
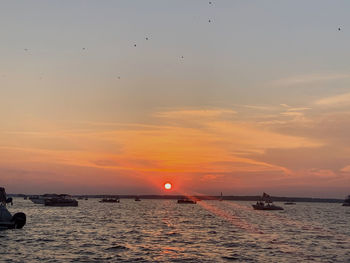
162,231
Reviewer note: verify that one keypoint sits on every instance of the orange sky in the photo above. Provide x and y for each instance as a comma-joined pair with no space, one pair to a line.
120,97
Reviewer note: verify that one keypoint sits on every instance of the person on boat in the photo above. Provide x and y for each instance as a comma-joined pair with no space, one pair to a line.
3,198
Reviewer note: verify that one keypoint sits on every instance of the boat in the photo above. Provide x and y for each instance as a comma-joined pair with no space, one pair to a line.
266,204
347,201
40,199
137,198
61,200
36,199
221,197
186,201
7,221
289,203
110,200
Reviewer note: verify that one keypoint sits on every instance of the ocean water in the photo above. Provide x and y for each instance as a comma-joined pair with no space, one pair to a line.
164,231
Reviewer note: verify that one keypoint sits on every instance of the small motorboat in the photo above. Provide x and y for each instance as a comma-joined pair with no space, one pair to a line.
61,200
347,201
186,201
266,204
137,198
36,199
289,203
7,221
40,199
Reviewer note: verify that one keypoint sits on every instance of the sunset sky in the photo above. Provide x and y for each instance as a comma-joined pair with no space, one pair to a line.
238,97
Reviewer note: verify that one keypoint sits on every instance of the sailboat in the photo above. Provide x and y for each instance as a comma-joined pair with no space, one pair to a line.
347,201
266,203
221,197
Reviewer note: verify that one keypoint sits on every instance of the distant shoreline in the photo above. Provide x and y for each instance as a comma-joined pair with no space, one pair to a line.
210,197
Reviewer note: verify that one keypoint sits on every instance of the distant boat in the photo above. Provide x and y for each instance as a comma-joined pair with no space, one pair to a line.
221,197
347,201
137,198
110,200
289,203
40,199
61,200
186,201
266,204
7,221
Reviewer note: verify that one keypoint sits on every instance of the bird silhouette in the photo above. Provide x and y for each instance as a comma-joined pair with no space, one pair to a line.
339,28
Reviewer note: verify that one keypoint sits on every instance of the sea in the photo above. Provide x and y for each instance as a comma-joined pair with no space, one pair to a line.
164,231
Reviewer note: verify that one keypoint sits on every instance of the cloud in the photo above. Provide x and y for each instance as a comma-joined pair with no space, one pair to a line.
194,113
334,100
310,78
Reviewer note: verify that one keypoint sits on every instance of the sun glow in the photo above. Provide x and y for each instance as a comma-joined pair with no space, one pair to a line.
167,186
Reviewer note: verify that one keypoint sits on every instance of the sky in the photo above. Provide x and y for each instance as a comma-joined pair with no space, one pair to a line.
119,97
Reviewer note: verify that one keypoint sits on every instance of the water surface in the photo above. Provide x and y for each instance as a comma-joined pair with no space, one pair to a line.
164,231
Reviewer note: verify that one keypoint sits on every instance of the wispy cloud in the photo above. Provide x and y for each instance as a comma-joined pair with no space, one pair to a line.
310,78
340,99
184,113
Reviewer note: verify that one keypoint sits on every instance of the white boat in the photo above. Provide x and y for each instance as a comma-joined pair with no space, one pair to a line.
40,199
7,221
61,200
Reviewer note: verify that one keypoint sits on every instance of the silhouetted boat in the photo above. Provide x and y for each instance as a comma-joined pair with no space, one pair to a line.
110,200
221,197
266,204
186,201
7,221
289,203
61,200
36,199
347,201
137,198
40,199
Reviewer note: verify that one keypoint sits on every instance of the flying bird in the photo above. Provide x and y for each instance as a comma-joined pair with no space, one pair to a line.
134,45
146,38
339,28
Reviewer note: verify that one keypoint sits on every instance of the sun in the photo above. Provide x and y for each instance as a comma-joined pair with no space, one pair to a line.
168,186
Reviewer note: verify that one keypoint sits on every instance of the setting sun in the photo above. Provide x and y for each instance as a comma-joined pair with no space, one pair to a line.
167,186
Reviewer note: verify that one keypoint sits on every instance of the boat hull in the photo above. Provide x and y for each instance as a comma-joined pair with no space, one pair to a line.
61,202
17,222
271,207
